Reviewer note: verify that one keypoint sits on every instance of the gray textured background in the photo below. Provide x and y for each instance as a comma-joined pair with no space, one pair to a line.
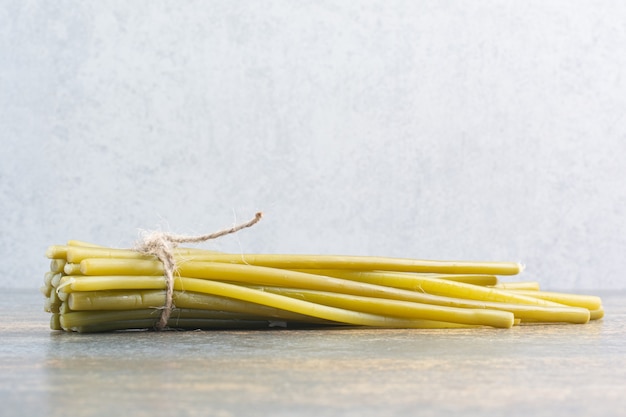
491,130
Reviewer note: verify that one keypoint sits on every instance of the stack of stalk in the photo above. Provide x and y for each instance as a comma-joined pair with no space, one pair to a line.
91,288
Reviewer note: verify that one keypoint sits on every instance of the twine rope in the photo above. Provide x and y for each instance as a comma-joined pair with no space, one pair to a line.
162,245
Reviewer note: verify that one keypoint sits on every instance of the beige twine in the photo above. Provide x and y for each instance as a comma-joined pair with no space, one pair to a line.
162,246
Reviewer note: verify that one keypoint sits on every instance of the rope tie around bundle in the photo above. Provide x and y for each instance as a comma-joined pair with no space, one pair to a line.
162,245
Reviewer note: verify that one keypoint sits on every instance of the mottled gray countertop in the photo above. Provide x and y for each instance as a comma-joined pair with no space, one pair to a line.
548,370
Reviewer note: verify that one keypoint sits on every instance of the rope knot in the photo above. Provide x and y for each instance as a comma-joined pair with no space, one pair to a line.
155,242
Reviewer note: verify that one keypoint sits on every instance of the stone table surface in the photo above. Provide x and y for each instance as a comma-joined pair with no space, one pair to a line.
539,370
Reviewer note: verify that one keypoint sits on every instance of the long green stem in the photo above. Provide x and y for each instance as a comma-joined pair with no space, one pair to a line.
76,254
129,300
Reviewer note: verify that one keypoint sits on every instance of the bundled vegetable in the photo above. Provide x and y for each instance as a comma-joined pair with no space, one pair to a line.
91,288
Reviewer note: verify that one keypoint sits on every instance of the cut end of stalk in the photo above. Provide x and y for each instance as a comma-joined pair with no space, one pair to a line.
65,283
56,252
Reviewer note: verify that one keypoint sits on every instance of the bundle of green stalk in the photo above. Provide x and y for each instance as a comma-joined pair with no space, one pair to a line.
91,288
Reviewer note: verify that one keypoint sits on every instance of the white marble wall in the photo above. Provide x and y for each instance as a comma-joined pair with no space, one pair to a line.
490,130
